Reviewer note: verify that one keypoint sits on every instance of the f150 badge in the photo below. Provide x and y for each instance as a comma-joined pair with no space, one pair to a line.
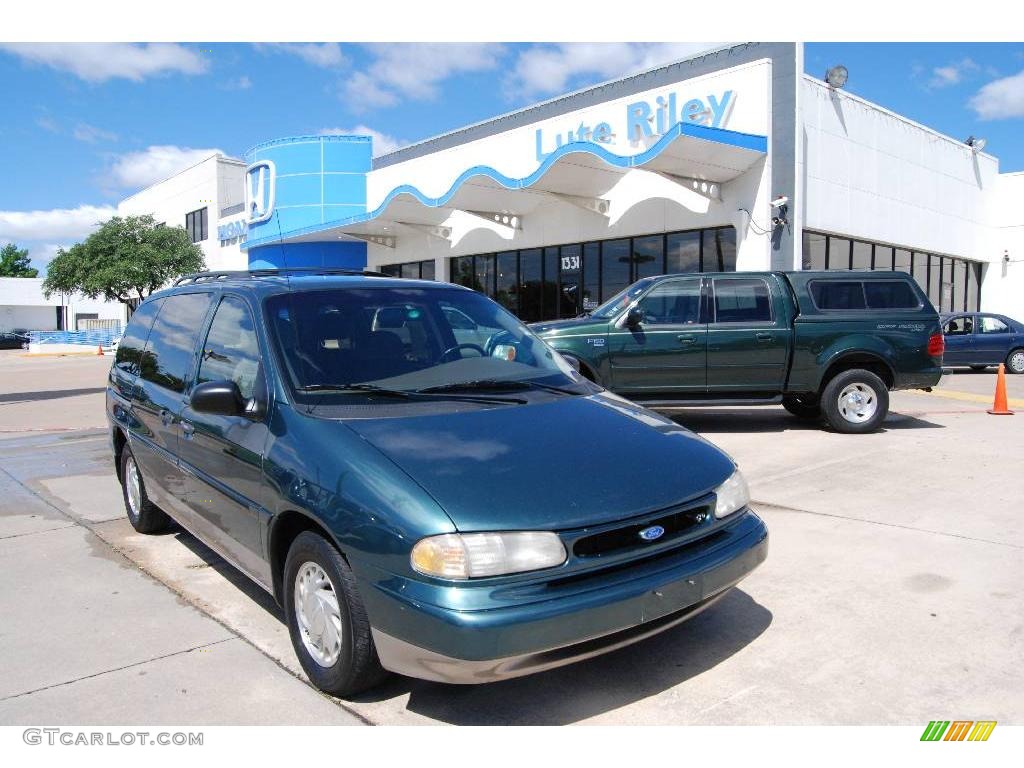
596,342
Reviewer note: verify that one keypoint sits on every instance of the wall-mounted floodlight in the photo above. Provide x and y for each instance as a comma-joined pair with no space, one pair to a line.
975,143
837,76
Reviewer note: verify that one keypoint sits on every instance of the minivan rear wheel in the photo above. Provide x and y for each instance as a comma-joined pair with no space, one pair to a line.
326,619
855,401
143,514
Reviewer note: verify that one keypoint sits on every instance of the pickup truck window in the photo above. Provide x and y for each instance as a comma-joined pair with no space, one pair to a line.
742,300
868,294
676,302
838,294
890,294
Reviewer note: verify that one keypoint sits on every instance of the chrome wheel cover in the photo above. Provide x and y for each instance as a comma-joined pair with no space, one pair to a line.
1017,362
317,614
857,403
133,486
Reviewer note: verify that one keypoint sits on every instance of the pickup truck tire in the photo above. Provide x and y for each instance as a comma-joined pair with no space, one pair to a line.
327,620
803,406
143,514
979,367
855,401
1015,361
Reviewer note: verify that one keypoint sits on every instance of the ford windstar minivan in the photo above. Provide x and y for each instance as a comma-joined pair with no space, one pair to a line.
423,484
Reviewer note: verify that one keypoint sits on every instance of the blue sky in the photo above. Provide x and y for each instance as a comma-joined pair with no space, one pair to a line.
88,124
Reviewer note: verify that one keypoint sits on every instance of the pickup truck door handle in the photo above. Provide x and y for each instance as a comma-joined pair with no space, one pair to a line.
187,429
686,338
166,417
763,336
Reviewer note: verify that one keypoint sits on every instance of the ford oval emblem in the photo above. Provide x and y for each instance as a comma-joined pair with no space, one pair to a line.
652,533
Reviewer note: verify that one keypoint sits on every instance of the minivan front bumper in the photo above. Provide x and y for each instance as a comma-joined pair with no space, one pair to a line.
572,628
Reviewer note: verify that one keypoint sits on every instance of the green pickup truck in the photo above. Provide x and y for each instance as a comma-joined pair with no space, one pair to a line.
826,345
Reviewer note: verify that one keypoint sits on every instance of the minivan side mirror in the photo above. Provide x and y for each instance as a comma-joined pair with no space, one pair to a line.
219,397
634,317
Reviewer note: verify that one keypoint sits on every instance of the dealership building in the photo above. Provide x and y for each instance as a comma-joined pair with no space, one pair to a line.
731,160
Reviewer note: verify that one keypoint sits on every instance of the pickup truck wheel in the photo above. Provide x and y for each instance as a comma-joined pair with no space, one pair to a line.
143,514
326,619
1015,361
803,406
855,401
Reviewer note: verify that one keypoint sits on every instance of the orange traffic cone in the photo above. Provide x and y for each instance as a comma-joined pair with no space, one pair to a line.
999,407
99,349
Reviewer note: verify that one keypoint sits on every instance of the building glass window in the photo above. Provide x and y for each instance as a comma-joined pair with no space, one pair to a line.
531,285
507,280
427,270
718,253
682,252
838,256
552,286
648,256
814,250
416,270
483,268
615,267
901,261
591,276
195,225
862,253
570,264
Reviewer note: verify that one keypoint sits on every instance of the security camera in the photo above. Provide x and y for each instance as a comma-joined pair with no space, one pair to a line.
780,201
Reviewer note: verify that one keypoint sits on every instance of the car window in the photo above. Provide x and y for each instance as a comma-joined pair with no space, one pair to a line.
133,342
838,294
890,294
989,324
405,338
742,300
960,326
675,302
172,342
232,351
622,299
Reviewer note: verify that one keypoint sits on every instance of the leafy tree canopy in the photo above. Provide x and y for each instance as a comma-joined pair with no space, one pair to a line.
14,262
125,260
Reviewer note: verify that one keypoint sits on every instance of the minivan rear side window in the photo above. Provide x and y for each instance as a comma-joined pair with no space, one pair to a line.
133,342
172,342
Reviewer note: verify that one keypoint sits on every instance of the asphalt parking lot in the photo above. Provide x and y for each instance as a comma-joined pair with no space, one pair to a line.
891,594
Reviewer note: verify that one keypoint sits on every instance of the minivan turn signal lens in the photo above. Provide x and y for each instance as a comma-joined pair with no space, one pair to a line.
473,555
731,495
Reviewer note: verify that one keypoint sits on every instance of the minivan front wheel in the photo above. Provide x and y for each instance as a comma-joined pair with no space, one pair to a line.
326,619
143,514
855,402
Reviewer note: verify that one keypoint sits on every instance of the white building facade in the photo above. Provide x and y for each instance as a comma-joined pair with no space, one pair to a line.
733,160
24,306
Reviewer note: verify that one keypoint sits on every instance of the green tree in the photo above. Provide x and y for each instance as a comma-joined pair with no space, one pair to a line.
14,262
125,260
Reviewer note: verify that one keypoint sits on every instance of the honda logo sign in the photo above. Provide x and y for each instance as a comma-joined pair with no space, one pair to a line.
260,183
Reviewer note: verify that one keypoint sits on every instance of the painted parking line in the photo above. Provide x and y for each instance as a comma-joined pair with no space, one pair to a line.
968,397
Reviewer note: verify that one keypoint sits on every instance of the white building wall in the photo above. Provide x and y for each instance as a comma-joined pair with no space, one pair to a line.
641,202
216,183
1002,289
23,305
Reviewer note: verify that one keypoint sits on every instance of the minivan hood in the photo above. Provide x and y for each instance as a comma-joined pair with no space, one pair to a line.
568,463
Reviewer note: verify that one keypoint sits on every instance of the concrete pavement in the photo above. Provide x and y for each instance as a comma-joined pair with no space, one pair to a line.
890,595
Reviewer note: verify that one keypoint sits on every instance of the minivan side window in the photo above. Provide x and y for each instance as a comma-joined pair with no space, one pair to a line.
133,342
172,342
742,300
890,294
232,351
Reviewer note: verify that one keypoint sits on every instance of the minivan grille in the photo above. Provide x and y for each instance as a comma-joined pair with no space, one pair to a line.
627,537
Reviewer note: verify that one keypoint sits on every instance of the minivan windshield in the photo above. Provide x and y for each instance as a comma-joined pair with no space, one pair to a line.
410,342
622,299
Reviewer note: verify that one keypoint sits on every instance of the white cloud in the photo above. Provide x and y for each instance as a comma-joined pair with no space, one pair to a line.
382,142
48,124
156,163
415,70
1000,99
56,224
91,134
324,55
242,83
952,74
544,69
98,62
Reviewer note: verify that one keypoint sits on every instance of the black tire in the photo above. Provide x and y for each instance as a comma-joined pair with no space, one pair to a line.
357,666
803,406
979,367
870,387
147,518
1015,361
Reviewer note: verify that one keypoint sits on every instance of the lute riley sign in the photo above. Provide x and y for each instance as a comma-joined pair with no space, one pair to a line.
643,120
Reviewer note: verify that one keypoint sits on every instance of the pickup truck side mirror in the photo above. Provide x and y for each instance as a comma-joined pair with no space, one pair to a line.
634,317
218,397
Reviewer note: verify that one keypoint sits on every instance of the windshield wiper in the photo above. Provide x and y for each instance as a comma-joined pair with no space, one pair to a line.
404,394
494,385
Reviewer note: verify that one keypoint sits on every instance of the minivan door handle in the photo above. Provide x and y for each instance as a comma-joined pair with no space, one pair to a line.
686,338
764,336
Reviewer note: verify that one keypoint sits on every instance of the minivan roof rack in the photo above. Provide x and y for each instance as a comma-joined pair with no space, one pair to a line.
249,274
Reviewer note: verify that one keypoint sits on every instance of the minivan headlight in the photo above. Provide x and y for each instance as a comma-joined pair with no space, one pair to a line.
472,555
731,495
